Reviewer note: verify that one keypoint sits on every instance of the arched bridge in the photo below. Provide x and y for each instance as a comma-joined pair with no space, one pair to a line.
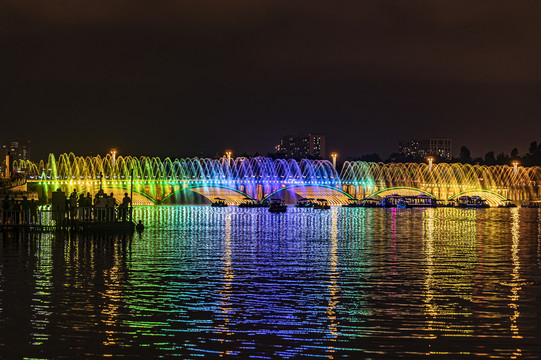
198,181
190,181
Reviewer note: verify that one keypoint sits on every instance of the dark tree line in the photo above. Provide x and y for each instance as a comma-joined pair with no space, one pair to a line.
531,158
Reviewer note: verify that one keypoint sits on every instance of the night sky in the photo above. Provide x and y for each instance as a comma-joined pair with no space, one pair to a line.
188,77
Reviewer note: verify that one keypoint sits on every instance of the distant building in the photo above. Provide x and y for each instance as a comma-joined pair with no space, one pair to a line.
421,148
18,150
302,146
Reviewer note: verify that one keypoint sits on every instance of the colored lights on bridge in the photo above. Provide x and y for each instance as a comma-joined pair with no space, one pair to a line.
358,177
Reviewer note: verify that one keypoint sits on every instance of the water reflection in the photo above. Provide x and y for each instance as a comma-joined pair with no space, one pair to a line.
333,287
200,281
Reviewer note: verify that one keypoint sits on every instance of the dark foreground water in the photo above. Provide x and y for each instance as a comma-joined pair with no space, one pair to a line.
243,283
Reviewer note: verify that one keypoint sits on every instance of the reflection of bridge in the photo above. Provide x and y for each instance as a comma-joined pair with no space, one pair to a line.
200,180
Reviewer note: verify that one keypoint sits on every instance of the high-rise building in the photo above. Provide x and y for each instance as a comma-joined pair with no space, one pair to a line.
18,150
421,148
302,146
316,143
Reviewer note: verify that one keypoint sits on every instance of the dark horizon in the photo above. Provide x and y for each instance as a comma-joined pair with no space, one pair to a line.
181,79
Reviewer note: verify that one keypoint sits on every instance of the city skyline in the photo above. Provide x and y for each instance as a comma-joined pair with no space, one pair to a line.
402,153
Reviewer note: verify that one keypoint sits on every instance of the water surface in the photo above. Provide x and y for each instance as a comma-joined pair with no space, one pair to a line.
228,282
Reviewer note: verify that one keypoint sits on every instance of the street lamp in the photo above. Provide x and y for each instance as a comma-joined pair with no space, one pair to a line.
228,153
515,166
334,155
113,151
430,160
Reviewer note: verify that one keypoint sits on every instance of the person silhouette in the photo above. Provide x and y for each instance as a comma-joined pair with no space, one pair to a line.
124,207
140,227
33,211
110,205
73,204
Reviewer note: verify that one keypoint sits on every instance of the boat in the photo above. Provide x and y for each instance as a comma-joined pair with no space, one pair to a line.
218,202
277,206
248,203
370,203
321,204
507,204
104,226
304,203
471,202
401,204
409,201
531,204
353,203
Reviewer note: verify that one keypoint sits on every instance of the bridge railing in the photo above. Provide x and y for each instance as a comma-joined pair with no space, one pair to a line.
91,214
13,218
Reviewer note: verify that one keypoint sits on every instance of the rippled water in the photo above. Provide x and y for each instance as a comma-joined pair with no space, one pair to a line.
243,283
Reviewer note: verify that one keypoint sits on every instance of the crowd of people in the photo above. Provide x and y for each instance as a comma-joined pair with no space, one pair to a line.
102,208
19,211
83,207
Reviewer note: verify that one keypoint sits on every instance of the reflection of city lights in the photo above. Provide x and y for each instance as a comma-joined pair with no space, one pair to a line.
333,287
441,251
515,275
225,302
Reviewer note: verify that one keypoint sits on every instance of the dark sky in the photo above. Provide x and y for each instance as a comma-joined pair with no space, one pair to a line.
180,78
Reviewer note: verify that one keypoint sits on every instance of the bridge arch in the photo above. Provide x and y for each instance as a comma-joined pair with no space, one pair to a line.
337,196
401,190
209,192
493,198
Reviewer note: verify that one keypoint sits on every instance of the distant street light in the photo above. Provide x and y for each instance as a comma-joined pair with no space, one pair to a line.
430,160
515,165
228,153
113,151
334,155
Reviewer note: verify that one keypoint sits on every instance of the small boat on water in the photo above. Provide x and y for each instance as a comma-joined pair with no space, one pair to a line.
370,203
471,202
531,204
248,203
401,204
321,204
304,203
408,201
218,202
507,204
353,203
104,226
277,206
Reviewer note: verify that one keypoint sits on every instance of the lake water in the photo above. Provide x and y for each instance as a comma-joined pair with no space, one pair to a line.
242,283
